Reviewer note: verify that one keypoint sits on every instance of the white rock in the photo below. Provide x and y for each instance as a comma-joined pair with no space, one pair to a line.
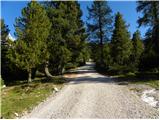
16,114
150,100
3,86
56,89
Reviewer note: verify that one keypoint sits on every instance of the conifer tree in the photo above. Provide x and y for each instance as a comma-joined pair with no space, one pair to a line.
4,30
107,55
5,45
120,45
100,24
66,42
137,50
150,18
74,34
58,52
83,53
32,30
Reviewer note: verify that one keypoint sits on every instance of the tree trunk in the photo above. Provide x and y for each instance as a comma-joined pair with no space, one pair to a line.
30,75
46,70
62,70
101,37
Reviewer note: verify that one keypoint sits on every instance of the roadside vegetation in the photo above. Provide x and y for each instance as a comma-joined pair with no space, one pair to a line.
50,39
116,53
22,96
151,79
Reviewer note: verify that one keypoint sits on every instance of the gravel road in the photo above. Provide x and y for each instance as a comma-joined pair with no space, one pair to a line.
91,95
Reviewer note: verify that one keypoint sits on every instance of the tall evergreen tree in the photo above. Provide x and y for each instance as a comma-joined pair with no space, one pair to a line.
66,41
150,11
5,45
75,35
107,55
83,53
100,24
137,50
120,45
59,54
32,30
4,31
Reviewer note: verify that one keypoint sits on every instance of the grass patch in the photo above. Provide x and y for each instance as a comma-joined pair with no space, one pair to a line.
23,97
147,78
152,83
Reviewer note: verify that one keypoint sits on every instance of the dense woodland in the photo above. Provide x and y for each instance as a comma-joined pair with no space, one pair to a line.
112,47
52,38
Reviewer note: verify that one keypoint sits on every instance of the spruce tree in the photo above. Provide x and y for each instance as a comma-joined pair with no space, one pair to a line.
74,34
66,42
58,52
107,55
137,50
150,18
4,31
5,46
100,24
120,44
83,53
32,30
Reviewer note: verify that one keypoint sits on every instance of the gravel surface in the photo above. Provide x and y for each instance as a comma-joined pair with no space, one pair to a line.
91,95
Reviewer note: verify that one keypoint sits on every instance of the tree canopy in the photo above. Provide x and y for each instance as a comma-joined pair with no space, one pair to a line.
100,24
52,38
150,18
32,30
120,43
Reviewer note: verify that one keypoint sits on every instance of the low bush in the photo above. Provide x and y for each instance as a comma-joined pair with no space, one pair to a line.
70,66
117,69
10,76
153,75
2,81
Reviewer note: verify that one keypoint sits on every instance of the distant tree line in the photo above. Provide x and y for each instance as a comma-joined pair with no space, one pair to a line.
51,38
112,48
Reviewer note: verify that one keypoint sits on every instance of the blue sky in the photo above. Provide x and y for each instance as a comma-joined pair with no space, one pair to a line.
12,9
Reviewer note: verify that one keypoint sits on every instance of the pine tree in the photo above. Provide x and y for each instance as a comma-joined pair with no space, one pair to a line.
58,52
100,25
74,35
150,17
4,30
120,45
83,53
66,42
137,50
107,55
5,46
32,30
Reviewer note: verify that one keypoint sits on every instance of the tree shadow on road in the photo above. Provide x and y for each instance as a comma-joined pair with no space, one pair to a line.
91,76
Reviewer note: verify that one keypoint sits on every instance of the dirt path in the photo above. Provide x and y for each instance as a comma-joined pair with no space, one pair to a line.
91,95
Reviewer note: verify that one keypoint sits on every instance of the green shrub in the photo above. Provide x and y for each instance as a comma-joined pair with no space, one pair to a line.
118,69
153,75
70,66
2,81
